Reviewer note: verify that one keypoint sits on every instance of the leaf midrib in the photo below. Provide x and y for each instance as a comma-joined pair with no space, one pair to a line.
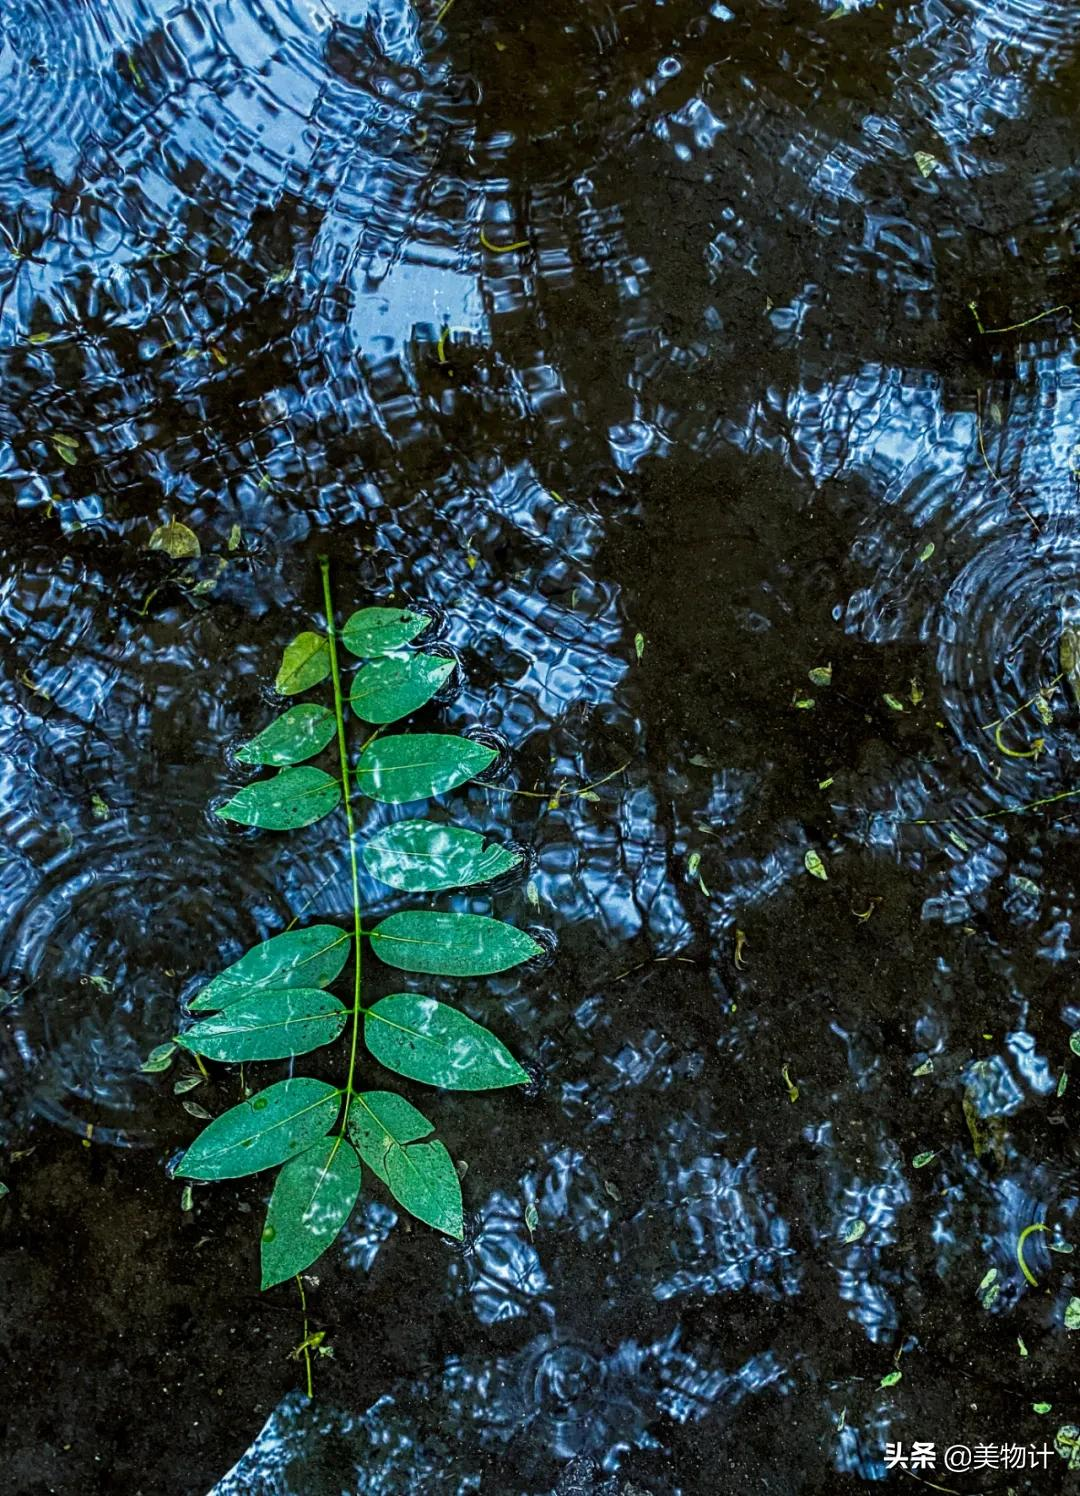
242,1142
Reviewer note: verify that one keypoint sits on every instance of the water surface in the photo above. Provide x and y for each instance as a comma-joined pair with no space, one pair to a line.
724,418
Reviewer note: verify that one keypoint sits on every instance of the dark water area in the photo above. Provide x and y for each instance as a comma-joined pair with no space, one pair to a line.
724,417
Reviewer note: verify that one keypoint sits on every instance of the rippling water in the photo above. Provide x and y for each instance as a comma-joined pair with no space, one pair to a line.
735,409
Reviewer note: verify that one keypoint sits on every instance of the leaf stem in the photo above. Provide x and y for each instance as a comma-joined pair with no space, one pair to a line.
306,1342
343,755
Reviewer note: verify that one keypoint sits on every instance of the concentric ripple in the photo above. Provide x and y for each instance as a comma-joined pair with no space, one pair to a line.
55,60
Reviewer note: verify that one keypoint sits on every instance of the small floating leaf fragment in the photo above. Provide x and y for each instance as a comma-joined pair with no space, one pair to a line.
862,915
921,1160
740,946
792,1088
187,1199
3,1189
927,551
196,1110
854,1231
892,1379
892,701
532,893
532,1218
1072,1314
36,339
639,645
1021,1347
1025,885
989,1289
958,841
1044,709
1042,1407
926,1068
100,807
159,1058
813,864
187,1083
916,693
823,784
803,703
1069,659
236,535
1074,1041
926,163
32,685
176,540
700,761
1067,1444
821,675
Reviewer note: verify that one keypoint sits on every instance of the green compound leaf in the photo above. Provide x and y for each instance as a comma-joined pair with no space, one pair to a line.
428,1041
408,767
451,945
299,733
391,688
271,1127
377,631
312,1199
269,1025
420,1176
421,856
292,798
305,663
299,958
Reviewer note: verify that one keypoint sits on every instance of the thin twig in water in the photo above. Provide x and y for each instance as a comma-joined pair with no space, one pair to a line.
1013,499
1015,326
308,903
1050,685
654,961
560,789
989,815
